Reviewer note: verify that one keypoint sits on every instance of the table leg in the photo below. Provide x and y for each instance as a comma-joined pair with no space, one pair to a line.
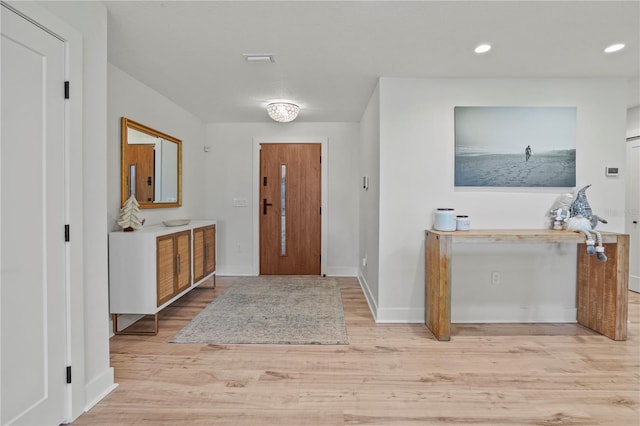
602,289
438,285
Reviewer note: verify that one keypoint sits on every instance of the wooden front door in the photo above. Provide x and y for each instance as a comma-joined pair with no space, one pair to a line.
143,180
290,202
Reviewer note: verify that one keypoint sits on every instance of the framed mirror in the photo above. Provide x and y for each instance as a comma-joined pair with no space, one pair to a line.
151,166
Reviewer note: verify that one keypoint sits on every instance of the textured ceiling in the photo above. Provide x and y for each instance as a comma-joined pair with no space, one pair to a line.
329,55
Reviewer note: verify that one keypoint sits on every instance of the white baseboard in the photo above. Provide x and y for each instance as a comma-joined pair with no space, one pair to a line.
373,307
383,315
400,315
98,388
514,314
634,283
341,271
483,314
235,271
332,271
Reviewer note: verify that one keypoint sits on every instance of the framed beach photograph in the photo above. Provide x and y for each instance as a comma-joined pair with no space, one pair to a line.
515,146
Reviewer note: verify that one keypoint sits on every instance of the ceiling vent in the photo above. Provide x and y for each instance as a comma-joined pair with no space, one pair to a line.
255,57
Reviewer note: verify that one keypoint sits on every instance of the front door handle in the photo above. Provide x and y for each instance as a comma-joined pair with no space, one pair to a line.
265,205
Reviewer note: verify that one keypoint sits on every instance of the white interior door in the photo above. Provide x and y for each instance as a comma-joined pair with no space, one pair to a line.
32,213
633,218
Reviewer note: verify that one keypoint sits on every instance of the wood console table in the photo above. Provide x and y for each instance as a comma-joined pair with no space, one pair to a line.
602,287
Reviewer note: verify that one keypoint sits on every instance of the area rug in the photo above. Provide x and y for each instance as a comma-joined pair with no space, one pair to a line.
271,310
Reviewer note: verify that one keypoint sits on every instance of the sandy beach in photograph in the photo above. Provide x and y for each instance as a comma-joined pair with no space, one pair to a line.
550,169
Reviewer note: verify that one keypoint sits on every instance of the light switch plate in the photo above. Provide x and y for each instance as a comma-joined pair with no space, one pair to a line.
239,202
611,171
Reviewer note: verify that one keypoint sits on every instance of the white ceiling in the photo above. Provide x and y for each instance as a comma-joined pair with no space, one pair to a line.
329,55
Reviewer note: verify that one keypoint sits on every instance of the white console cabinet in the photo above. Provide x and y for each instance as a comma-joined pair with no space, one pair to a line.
152,267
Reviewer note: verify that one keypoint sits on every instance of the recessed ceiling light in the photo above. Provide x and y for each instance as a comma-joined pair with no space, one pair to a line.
482,48
614,48
253,57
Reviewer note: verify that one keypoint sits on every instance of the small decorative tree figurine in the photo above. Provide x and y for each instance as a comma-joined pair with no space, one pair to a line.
129,217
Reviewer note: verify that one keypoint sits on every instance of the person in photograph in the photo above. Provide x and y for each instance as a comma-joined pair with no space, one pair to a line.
527,153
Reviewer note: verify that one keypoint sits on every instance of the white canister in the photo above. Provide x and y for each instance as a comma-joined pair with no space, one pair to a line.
445,220
463,223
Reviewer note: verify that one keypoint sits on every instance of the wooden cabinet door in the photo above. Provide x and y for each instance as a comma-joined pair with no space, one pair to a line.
174,264
204,252
183,260
198,254
166,267
209,249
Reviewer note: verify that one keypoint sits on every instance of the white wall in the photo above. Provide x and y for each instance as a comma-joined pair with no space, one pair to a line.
416,173
369,208
229,175
130,98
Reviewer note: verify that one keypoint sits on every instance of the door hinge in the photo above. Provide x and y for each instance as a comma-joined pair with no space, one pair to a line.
264,181
67,233
321,159
66,90
68,374
320,210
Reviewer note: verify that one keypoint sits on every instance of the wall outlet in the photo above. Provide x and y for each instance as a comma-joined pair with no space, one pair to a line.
364,260
495,277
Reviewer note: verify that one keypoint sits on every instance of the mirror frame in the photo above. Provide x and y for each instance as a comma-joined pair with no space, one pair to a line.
126,124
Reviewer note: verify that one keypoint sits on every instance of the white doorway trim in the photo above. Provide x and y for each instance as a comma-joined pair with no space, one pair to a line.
324,142
632,216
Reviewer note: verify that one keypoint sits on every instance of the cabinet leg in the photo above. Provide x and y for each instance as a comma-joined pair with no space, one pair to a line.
211,287
134,332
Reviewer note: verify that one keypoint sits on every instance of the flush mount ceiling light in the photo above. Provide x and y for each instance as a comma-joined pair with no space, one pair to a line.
614,48
482,48
283,112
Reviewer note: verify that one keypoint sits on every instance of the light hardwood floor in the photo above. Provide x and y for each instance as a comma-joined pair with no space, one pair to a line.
389,374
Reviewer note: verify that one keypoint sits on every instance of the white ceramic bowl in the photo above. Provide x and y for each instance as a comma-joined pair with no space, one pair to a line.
176,222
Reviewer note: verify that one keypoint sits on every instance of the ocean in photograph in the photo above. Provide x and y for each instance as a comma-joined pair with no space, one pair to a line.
546,169
506,146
